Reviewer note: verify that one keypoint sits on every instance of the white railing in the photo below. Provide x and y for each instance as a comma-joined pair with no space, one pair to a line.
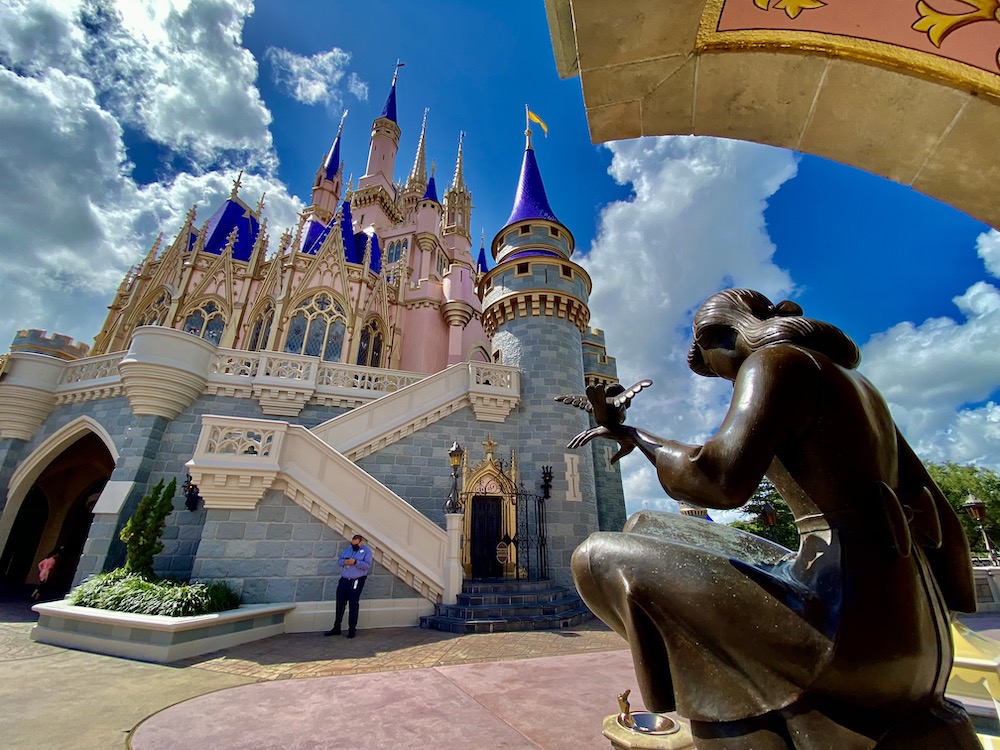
91,368
238,460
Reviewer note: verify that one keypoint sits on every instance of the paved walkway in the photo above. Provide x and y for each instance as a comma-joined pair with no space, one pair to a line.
395,688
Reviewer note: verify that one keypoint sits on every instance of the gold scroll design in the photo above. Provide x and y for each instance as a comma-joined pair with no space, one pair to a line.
916,62
792,8
939,25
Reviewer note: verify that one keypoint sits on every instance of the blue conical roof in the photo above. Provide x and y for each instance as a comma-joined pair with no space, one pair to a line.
481,266
431,193
530,202
232,215
389,110
332,163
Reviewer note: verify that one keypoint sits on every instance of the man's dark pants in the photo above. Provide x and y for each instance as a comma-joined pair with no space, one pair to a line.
348,593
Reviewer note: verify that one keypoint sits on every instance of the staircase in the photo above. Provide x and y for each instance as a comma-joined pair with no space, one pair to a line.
503,605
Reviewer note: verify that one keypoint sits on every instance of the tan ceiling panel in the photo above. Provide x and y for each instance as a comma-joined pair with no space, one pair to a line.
669,107
630,82
760,96
880,120
964,169
615,122
627,31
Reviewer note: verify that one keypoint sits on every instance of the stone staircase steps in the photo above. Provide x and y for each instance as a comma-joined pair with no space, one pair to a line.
500,606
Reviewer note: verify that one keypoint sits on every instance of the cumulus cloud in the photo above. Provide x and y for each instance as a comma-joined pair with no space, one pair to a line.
938,376
693,225
73,76
315,79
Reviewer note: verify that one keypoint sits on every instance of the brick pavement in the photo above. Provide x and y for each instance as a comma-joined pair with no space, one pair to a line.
389,649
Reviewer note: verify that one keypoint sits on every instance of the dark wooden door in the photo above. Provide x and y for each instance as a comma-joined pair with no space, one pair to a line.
486,529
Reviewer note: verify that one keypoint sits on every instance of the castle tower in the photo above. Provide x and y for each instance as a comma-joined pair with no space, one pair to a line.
374,202
458,211
329,180
416,183
535,310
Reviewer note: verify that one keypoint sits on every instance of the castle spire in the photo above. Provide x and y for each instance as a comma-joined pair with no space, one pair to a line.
331,167
458,181
418,175
530,201
389,110
431,193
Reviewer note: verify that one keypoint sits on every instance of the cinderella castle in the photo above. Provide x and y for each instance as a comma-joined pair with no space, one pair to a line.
358,375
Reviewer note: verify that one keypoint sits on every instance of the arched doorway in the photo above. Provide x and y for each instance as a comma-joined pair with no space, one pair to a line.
56,511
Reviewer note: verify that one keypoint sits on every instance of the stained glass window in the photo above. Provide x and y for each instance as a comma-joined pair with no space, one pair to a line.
317,328
261,330
370,345
206,322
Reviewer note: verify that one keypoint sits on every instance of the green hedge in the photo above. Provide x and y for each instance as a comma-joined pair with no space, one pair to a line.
123,591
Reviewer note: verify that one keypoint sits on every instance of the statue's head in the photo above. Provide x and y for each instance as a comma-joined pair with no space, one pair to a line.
732,324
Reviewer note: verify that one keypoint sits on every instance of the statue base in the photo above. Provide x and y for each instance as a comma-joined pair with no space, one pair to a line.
623,738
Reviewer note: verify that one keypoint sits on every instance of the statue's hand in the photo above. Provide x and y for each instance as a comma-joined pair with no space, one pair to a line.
625,441
587,435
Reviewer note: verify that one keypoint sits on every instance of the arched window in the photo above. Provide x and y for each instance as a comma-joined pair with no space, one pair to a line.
317,328
395,251
156,313
442,264
261,329
370,346
207,322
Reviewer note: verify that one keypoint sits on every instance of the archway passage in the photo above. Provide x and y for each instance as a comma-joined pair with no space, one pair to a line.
56,512
904,90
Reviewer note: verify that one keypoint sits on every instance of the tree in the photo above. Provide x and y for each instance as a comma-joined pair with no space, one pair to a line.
957,482
784,531
141,534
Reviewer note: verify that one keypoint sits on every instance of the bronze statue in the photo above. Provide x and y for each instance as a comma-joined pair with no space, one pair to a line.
844,644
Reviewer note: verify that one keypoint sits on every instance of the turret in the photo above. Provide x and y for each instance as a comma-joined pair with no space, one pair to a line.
458,209
384,146
374,202
535,310
329,179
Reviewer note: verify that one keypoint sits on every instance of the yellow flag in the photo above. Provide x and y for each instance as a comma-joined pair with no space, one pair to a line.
535,118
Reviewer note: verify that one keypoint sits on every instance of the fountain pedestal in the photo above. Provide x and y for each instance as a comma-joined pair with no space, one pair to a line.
625,738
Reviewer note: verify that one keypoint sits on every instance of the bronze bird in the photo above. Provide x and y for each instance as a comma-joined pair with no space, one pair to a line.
608,404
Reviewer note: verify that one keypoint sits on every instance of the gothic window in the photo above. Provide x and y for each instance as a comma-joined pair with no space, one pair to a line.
261,329
206,322
370,347
317,328
442,264
156,313
396,251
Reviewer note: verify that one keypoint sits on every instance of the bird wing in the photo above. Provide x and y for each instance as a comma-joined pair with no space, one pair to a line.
579,400
625,398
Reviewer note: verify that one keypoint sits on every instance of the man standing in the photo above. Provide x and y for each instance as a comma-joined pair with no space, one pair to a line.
355,562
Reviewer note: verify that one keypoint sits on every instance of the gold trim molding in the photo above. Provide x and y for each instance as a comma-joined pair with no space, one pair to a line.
907,60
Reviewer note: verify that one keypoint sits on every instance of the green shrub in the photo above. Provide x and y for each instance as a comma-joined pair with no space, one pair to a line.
125,591
141,534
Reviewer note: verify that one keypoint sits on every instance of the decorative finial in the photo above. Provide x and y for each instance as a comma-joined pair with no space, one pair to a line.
260,203
340,128
482,237
192,212
490,444
236,186
433,167
395,73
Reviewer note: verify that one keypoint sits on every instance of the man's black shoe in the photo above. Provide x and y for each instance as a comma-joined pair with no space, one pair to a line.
351,633
333,631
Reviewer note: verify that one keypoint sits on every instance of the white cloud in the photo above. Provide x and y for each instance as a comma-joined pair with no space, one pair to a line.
315,79
938,374
988,248
72,218
694,225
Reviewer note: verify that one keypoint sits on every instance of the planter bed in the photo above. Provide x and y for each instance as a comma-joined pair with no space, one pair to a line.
155,638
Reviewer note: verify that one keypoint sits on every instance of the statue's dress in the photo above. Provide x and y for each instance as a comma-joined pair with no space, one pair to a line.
747,627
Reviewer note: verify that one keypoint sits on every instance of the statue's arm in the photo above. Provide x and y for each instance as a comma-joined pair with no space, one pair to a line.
951,561
770,405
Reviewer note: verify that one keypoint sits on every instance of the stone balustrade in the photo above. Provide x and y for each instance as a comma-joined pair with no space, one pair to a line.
238,460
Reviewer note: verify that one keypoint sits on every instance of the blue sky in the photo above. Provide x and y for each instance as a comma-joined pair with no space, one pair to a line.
115,117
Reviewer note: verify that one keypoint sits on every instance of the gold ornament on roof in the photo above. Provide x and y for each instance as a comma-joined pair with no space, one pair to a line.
792,8
939,25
